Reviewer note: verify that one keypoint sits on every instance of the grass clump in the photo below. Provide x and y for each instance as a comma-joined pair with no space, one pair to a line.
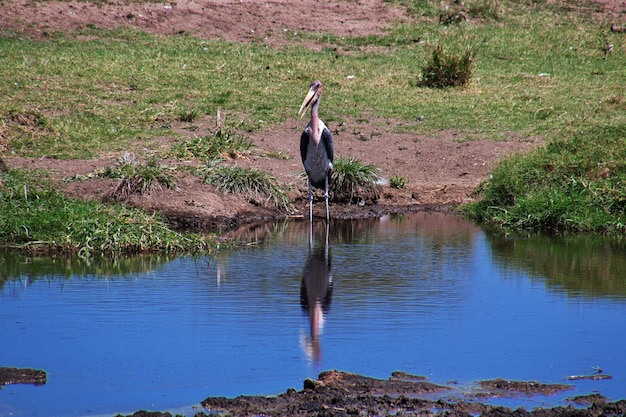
137,178
259,186
223,143
188,115
354,182
398,182
36,218
447,69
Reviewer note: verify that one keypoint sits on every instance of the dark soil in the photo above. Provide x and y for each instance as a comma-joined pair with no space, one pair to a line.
343,394
22,376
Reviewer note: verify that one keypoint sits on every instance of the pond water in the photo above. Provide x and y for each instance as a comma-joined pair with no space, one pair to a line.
425,293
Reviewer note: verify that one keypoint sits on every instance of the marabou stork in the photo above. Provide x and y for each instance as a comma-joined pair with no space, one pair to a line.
316,147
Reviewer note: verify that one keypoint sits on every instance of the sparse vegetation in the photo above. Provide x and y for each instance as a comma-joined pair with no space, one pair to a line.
188,115
276,155
398,181
223,143
137,178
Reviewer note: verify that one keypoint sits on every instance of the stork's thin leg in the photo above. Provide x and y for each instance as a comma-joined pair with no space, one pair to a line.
310,238
310,202
326,198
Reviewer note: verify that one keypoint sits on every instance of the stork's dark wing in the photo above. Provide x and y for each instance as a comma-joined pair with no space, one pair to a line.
304,144
327,140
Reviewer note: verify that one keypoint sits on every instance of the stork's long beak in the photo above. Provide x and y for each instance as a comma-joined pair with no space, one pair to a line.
308,101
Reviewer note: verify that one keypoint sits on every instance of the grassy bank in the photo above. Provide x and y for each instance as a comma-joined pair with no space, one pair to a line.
539,71
577,183
36,218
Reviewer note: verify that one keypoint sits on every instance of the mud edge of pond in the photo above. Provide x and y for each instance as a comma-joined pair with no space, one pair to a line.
230,227
337,393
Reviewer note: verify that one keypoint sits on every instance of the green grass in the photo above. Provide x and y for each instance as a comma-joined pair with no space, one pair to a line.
36,218
574,184
538,70
259,186
93,100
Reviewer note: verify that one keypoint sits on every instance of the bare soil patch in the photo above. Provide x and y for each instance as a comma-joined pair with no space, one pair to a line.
238,21
442,171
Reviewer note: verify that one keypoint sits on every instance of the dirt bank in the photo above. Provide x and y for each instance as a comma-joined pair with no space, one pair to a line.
442,169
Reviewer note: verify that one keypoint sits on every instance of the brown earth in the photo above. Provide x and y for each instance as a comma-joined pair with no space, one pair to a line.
442,170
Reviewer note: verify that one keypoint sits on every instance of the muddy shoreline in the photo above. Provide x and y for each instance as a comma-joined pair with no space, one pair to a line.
343,394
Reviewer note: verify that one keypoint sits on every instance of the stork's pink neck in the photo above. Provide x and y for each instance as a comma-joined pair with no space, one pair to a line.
316,131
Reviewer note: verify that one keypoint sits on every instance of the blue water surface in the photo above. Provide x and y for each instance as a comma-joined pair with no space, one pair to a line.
427,293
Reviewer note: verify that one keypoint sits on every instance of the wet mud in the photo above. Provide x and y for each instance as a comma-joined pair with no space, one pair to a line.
344,394
22,376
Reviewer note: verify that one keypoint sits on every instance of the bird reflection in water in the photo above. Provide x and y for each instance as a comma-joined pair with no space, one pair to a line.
316,292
